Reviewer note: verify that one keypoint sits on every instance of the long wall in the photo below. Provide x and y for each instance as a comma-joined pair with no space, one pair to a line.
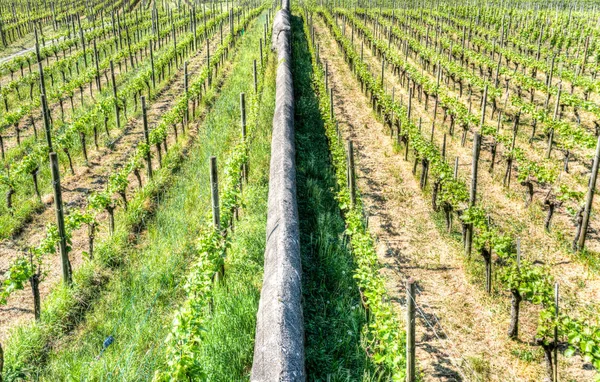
279,343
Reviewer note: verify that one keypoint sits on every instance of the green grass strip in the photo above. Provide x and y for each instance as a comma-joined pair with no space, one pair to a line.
383,337
212,334
142,291
143,297
333,313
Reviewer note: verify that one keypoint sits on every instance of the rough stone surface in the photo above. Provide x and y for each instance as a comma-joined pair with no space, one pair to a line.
279,343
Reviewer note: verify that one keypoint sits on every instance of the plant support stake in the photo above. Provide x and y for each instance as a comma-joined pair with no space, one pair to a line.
255,76
410,330
47,124
243,113
589,199
556,333
473,193
214,193
351,175
60,220
147,136
114,86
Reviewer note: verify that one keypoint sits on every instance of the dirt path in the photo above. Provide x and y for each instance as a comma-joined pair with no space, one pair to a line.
579,170
507,207
472,344
579,167
76,189
25,124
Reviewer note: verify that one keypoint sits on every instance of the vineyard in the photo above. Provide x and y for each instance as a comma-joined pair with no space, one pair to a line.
321,190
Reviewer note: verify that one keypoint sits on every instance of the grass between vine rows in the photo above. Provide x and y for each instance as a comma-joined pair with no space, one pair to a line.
24,201
136,307
227,346
333,313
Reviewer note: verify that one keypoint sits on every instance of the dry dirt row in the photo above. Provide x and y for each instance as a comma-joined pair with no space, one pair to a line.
25,125
579,169
469,341
578,282
577,163
77,188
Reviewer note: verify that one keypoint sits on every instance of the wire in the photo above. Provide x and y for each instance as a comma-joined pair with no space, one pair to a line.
432,327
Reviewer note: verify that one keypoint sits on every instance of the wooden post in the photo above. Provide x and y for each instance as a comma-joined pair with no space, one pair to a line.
362,48
391,121
152,64
193,27
147,136
114,86
47,124
484,102
216,214
174,44
456,168
60,220
589,199
255,77
551,132
497,75
556,333
326,75
82,42
243,114
551,73
437,97
473,193
41,69
351,174
260,44
410,330
382,69
96,59
444,147
539,44
186,87
585,54
2,350
208,57
265,32
214,193
231,23
408,110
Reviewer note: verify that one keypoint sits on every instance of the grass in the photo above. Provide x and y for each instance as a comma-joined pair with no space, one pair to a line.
25,202
228,345
144,290
333,313
139,301
226,349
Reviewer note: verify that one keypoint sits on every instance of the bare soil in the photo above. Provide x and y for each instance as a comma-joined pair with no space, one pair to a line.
90,92
76,189
461,333
507,206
